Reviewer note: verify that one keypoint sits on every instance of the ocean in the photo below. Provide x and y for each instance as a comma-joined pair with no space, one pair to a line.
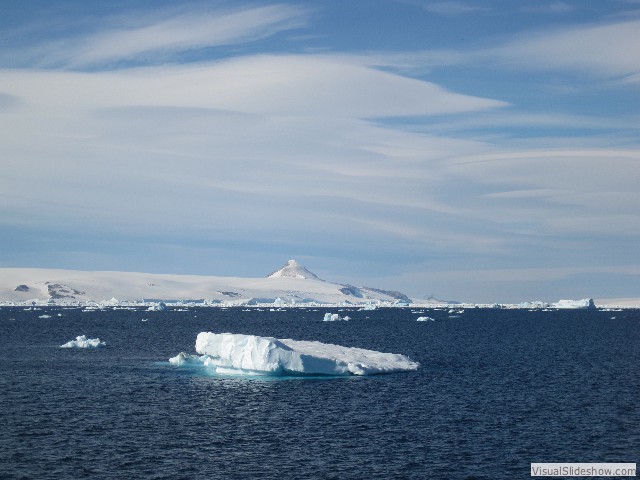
496,391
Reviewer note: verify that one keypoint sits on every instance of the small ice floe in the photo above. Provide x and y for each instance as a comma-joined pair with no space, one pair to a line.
44,316
185,359
334,317
236,354
425,319
83,342
369,307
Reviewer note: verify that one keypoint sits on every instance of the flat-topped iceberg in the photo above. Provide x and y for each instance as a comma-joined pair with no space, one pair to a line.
585,303
83,342
228,353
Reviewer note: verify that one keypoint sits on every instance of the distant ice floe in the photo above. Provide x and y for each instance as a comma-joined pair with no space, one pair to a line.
84,342
237,354
425,319
159,307
334,317
114,302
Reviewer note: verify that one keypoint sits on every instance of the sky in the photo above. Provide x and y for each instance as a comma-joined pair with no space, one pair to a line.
484,151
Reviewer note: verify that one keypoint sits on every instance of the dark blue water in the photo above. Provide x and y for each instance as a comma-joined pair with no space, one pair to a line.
496,391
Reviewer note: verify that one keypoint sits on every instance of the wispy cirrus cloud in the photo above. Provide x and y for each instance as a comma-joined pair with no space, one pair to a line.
603,50
291,85
550,8
146,124
159,36
452,8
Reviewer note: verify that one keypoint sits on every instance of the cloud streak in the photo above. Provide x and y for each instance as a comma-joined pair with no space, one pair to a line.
600,50
162,36
452,8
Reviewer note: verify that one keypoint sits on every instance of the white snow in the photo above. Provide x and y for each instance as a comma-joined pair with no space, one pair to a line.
293,286
295,270
425,319
83,342
228,353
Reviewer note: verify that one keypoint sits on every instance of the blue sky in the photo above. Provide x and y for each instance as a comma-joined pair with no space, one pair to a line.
479,151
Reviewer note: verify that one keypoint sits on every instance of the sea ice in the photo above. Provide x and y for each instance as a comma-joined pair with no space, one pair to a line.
334,317
227,353
83,342
184,358
159,307
425,319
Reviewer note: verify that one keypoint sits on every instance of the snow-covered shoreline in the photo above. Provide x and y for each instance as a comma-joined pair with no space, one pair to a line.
178,305
290,287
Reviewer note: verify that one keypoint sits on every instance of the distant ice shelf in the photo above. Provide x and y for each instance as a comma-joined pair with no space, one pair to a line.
237,354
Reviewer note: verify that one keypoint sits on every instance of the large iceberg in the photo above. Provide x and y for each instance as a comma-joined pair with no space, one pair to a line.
228,353
83,342
586,303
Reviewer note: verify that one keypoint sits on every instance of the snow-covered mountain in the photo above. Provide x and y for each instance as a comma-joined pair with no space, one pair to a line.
293,269
292,284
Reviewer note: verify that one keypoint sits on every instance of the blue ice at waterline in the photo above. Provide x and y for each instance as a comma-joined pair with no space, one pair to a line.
237,354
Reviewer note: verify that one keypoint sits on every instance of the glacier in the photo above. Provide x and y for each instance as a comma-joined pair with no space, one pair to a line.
83,342
238,354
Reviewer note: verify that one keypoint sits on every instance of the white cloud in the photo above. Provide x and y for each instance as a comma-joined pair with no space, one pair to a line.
240,142
295,150
602,50
540,274
453,8
159,37
550,8
234,142
554,192
286,85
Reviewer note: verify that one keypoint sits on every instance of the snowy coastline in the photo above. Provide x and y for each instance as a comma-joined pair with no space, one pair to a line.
290,287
